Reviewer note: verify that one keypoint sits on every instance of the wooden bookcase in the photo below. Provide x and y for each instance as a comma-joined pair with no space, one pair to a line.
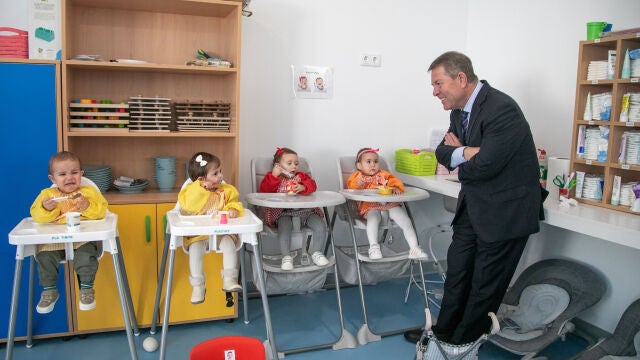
165,34
593,50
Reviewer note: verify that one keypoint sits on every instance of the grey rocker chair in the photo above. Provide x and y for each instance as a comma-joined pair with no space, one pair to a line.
542,302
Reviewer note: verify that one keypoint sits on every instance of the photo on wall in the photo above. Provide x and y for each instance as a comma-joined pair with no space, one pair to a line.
311,82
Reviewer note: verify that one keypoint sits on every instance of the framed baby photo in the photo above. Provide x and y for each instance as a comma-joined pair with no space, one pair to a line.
311,82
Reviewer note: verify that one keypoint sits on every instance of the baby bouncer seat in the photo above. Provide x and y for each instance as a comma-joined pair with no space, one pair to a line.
624,343
538,309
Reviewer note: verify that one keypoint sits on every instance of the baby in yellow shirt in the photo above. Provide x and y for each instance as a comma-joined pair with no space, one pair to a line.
205,195
51,205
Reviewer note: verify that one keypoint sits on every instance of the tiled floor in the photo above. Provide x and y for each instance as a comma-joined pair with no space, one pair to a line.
302,320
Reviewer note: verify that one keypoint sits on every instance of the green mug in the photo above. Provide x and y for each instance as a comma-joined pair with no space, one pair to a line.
594,29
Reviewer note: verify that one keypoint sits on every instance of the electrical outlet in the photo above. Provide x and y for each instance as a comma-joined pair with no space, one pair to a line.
370,60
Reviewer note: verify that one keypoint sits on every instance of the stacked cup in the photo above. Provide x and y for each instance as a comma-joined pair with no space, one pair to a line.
165,172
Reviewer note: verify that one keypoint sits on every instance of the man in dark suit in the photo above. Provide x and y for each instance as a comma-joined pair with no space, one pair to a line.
490,143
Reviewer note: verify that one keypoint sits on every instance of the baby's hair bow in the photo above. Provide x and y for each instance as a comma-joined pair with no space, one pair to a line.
364,151
279,150
201,161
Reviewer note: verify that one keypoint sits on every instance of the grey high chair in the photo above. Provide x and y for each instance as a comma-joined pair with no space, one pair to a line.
300,237
433,233
393,264
306,276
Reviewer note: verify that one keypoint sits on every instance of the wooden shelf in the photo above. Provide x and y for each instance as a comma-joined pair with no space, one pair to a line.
597,50
28,61
151,68
146,134
207,8
165,34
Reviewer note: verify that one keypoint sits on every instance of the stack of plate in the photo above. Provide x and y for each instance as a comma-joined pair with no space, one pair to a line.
101,175
597,70
592,187
165,172
134,188
591,139
632,147
203,116
149,113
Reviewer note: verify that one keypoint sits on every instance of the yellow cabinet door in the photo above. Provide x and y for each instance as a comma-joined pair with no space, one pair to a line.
182,311
137,231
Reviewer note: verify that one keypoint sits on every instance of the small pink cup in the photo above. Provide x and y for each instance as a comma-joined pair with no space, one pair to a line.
224,219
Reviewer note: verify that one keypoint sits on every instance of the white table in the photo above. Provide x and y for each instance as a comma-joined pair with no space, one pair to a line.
365,335
28,234
321,199
179,226
610,225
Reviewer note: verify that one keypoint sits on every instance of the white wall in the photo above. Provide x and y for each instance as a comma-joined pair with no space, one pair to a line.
388,107
530,51
527,49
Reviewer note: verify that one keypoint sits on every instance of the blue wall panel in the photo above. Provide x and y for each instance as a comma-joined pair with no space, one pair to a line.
27,140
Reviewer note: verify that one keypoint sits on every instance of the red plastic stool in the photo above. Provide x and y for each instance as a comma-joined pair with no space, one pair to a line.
229,348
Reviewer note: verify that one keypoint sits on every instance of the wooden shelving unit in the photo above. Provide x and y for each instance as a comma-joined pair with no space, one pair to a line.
597,50
165,34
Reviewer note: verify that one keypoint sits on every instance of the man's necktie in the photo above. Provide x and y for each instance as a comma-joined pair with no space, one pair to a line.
464,117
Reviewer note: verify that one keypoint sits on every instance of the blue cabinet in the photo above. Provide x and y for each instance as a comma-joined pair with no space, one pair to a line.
28,117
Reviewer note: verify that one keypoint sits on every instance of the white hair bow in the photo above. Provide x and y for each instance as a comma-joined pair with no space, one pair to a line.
201,161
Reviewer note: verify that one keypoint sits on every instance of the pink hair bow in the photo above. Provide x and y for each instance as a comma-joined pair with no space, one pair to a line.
364,151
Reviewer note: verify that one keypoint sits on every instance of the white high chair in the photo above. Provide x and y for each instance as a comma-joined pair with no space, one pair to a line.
85,181
349,213
212,247
123,284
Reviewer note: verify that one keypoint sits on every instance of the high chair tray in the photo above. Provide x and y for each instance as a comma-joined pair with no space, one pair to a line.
28,232
194,217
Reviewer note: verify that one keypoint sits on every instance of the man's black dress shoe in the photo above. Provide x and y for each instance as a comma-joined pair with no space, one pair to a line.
413,336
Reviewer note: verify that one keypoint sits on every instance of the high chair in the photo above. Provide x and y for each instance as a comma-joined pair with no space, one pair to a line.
85,181
246,227
302,278
27,247
300,235
212,247
397,263
449,204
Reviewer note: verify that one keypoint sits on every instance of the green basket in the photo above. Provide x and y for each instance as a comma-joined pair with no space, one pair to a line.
422,163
